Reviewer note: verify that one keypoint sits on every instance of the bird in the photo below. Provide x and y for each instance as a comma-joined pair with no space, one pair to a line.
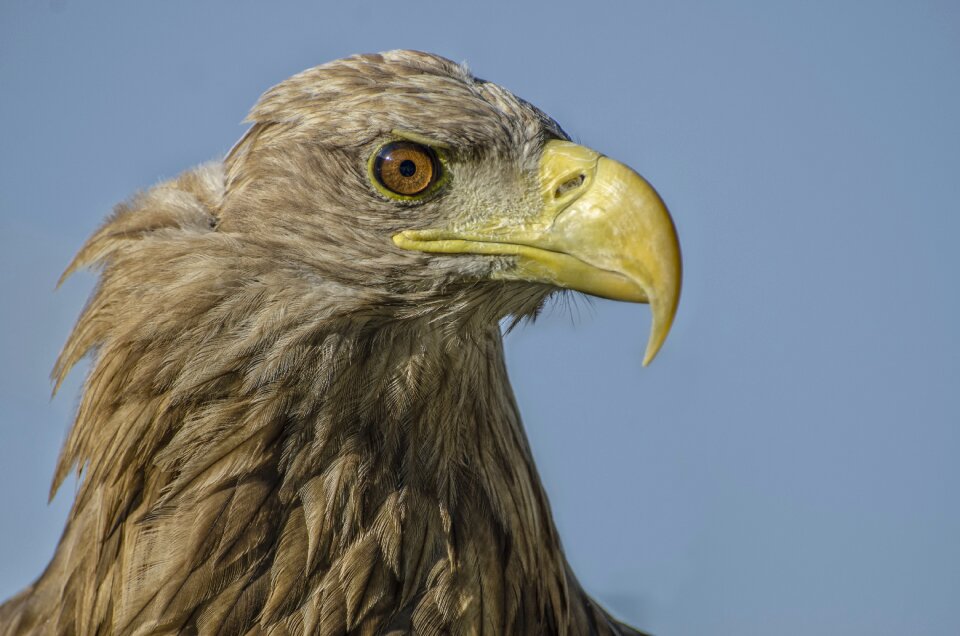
298,418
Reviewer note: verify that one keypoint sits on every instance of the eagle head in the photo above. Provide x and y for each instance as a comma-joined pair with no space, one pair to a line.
409,187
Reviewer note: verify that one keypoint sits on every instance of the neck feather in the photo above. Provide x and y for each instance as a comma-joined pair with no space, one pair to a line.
250,458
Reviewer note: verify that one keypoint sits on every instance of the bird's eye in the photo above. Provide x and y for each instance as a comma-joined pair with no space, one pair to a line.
406,168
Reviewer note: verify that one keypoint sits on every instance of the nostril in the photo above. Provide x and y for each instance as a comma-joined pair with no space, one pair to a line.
570,184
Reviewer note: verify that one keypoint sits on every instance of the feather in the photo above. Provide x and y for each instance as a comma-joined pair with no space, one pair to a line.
290,425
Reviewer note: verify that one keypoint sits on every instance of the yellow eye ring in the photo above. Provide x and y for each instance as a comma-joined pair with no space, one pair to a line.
405,169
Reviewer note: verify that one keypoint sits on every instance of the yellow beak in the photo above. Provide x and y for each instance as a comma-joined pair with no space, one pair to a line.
602,230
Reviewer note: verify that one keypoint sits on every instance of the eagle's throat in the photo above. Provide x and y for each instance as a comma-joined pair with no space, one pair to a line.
430,469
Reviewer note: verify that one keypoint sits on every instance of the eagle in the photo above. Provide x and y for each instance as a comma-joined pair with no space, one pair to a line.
298,418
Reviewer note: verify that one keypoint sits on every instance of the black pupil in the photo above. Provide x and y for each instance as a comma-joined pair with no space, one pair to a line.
407,168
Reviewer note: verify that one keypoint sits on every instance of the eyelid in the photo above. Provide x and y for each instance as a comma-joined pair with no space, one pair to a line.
409,135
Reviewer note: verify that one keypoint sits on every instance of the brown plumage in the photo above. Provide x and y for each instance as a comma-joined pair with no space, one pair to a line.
291,425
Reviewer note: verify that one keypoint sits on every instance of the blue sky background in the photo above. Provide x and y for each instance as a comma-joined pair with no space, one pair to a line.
788,465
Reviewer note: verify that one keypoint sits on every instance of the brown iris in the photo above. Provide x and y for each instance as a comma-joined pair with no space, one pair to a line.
406,168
